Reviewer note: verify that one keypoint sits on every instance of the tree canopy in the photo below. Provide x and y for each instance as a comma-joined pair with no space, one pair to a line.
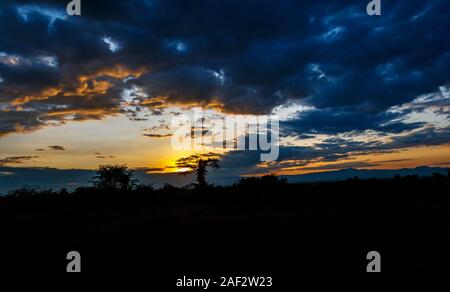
197,164
114,178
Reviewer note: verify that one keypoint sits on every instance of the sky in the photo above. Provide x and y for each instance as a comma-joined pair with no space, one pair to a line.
351,90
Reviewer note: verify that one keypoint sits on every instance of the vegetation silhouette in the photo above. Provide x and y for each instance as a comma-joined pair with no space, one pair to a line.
258,223
197,164
114,178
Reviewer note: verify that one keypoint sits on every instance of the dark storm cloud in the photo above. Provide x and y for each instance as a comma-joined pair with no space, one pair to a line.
425,137
338,120
248,56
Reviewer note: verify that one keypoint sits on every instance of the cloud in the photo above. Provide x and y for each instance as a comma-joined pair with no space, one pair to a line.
328,55
424,137
105,156
340,120
57,148
155,169
99,155
15,160
333,152
158,135
343,165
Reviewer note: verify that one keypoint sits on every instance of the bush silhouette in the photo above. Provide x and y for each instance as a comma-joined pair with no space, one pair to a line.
114,178
266,181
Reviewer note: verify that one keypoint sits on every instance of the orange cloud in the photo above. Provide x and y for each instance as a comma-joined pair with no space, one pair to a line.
80,112
119,72
45,94
88,85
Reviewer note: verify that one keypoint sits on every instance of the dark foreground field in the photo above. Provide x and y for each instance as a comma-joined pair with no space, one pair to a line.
257,225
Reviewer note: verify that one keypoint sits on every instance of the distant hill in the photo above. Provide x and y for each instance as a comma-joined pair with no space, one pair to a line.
17,177
344,174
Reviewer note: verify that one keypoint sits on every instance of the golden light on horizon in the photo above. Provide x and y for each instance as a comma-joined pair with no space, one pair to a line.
403,158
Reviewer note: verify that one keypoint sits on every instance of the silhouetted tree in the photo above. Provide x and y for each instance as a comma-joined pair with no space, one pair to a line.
114,178
198,164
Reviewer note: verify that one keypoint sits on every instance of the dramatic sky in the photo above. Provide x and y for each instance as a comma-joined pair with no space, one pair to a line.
351,90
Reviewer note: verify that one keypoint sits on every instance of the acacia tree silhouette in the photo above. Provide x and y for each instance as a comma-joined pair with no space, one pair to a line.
197,164
114,178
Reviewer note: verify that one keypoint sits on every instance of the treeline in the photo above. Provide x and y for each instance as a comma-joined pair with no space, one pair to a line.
120,181
261,222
